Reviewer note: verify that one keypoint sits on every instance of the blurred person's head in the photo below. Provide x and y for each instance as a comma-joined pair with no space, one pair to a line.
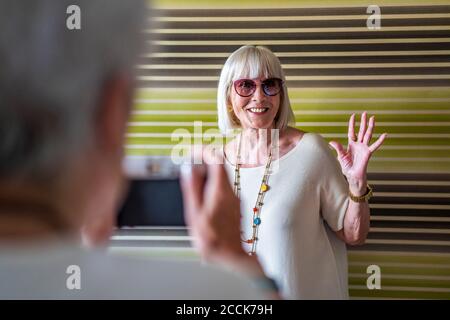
65,96
252,93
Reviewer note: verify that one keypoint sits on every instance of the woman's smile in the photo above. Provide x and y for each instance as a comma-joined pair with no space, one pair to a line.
258,111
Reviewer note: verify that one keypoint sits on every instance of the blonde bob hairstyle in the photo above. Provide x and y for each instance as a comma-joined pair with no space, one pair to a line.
250,62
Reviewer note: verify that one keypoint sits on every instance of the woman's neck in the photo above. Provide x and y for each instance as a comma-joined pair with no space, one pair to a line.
256,145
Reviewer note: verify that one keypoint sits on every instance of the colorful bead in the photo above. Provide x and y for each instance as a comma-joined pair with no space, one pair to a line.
264,187
255,209
257,221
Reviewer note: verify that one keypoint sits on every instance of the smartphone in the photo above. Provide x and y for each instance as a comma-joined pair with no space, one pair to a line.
154,197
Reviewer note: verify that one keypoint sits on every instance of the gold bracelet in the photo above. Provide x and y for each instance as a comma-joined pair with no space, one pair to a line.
365,197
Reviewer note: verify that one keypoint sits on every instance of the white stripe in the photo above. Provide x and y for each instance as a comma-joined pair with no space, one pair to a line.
395,254
295,42
395,135
409,242
405,159
396,288
409,182
296,112
325,135
151,147
302,124
417,147
402,276
174,112
300,54
293,30
370,100
302,66
180,101
387,90
151,238
412,194
401,265
303,100
379,123
373,159
410,230
409,206
410,218
170,135
168,124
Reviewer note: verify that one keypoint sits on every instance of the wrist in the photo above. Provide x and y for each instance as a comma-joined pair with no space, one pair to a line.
357,186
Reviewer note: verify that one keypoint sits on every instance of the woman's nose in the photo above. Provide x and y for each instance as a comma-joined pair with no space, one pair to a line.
259,94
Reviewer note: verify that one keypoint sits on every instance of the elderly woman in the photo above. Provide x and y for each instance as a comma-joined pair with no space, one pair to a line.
299,207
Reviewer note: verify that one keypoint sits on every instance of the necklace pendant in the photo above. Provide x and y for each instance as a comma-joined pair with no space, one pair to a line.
264,187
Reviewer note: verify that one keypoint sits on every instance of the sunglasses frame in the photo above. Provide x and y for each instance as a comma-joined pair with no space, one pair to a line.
236,82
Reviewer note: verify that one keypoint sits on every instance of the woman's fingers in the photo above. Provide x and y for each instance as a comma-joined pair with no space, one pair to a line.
362,126
377,143
369,131
351,128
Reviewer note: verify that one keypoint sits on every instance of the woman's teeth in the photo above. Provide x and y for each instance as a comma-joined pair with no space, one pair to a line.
258,110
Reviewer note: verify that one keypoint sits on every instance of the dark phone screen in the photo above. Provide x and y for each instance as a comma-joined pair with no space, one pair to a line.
152,203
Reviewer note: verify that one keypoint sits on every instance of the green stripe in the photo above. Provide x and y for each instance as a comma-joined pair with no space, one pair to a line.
398,294
343,141
300,118
298,106
403,282
318,129
308,93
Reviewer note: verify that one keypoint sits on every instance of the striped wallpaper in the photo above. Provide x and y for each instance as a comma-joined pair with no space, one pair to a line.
335,66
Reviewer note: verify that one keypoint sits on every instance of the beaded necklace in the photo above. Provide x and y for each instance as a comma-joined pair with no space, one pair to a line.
264,187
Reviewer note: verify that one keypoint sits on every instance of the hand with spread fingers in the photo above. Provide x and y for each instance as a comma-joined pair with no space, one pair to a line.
354,160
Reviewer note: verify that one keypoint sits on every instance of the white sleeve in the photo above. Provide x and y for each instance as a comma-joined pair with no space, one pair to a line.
333,189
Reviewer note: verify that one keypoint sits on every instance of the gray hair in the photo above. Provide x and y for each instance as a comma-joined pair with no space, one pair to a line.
250,62
51,77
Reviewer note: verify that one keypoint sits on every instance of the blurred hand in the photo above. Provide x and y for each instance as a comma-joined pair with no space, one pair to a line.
212,212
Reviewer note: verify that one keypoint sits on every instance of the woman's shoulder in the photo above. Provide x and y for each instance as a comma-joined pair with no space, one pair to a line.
311,138
314,143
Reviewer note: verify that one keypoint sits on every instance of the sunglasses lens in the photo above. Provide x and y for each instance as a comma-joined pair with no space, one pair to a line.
272,86
245,88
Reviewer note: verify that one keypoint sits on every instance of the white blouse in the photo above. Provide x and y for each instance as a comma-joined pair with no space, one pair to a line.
306,200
